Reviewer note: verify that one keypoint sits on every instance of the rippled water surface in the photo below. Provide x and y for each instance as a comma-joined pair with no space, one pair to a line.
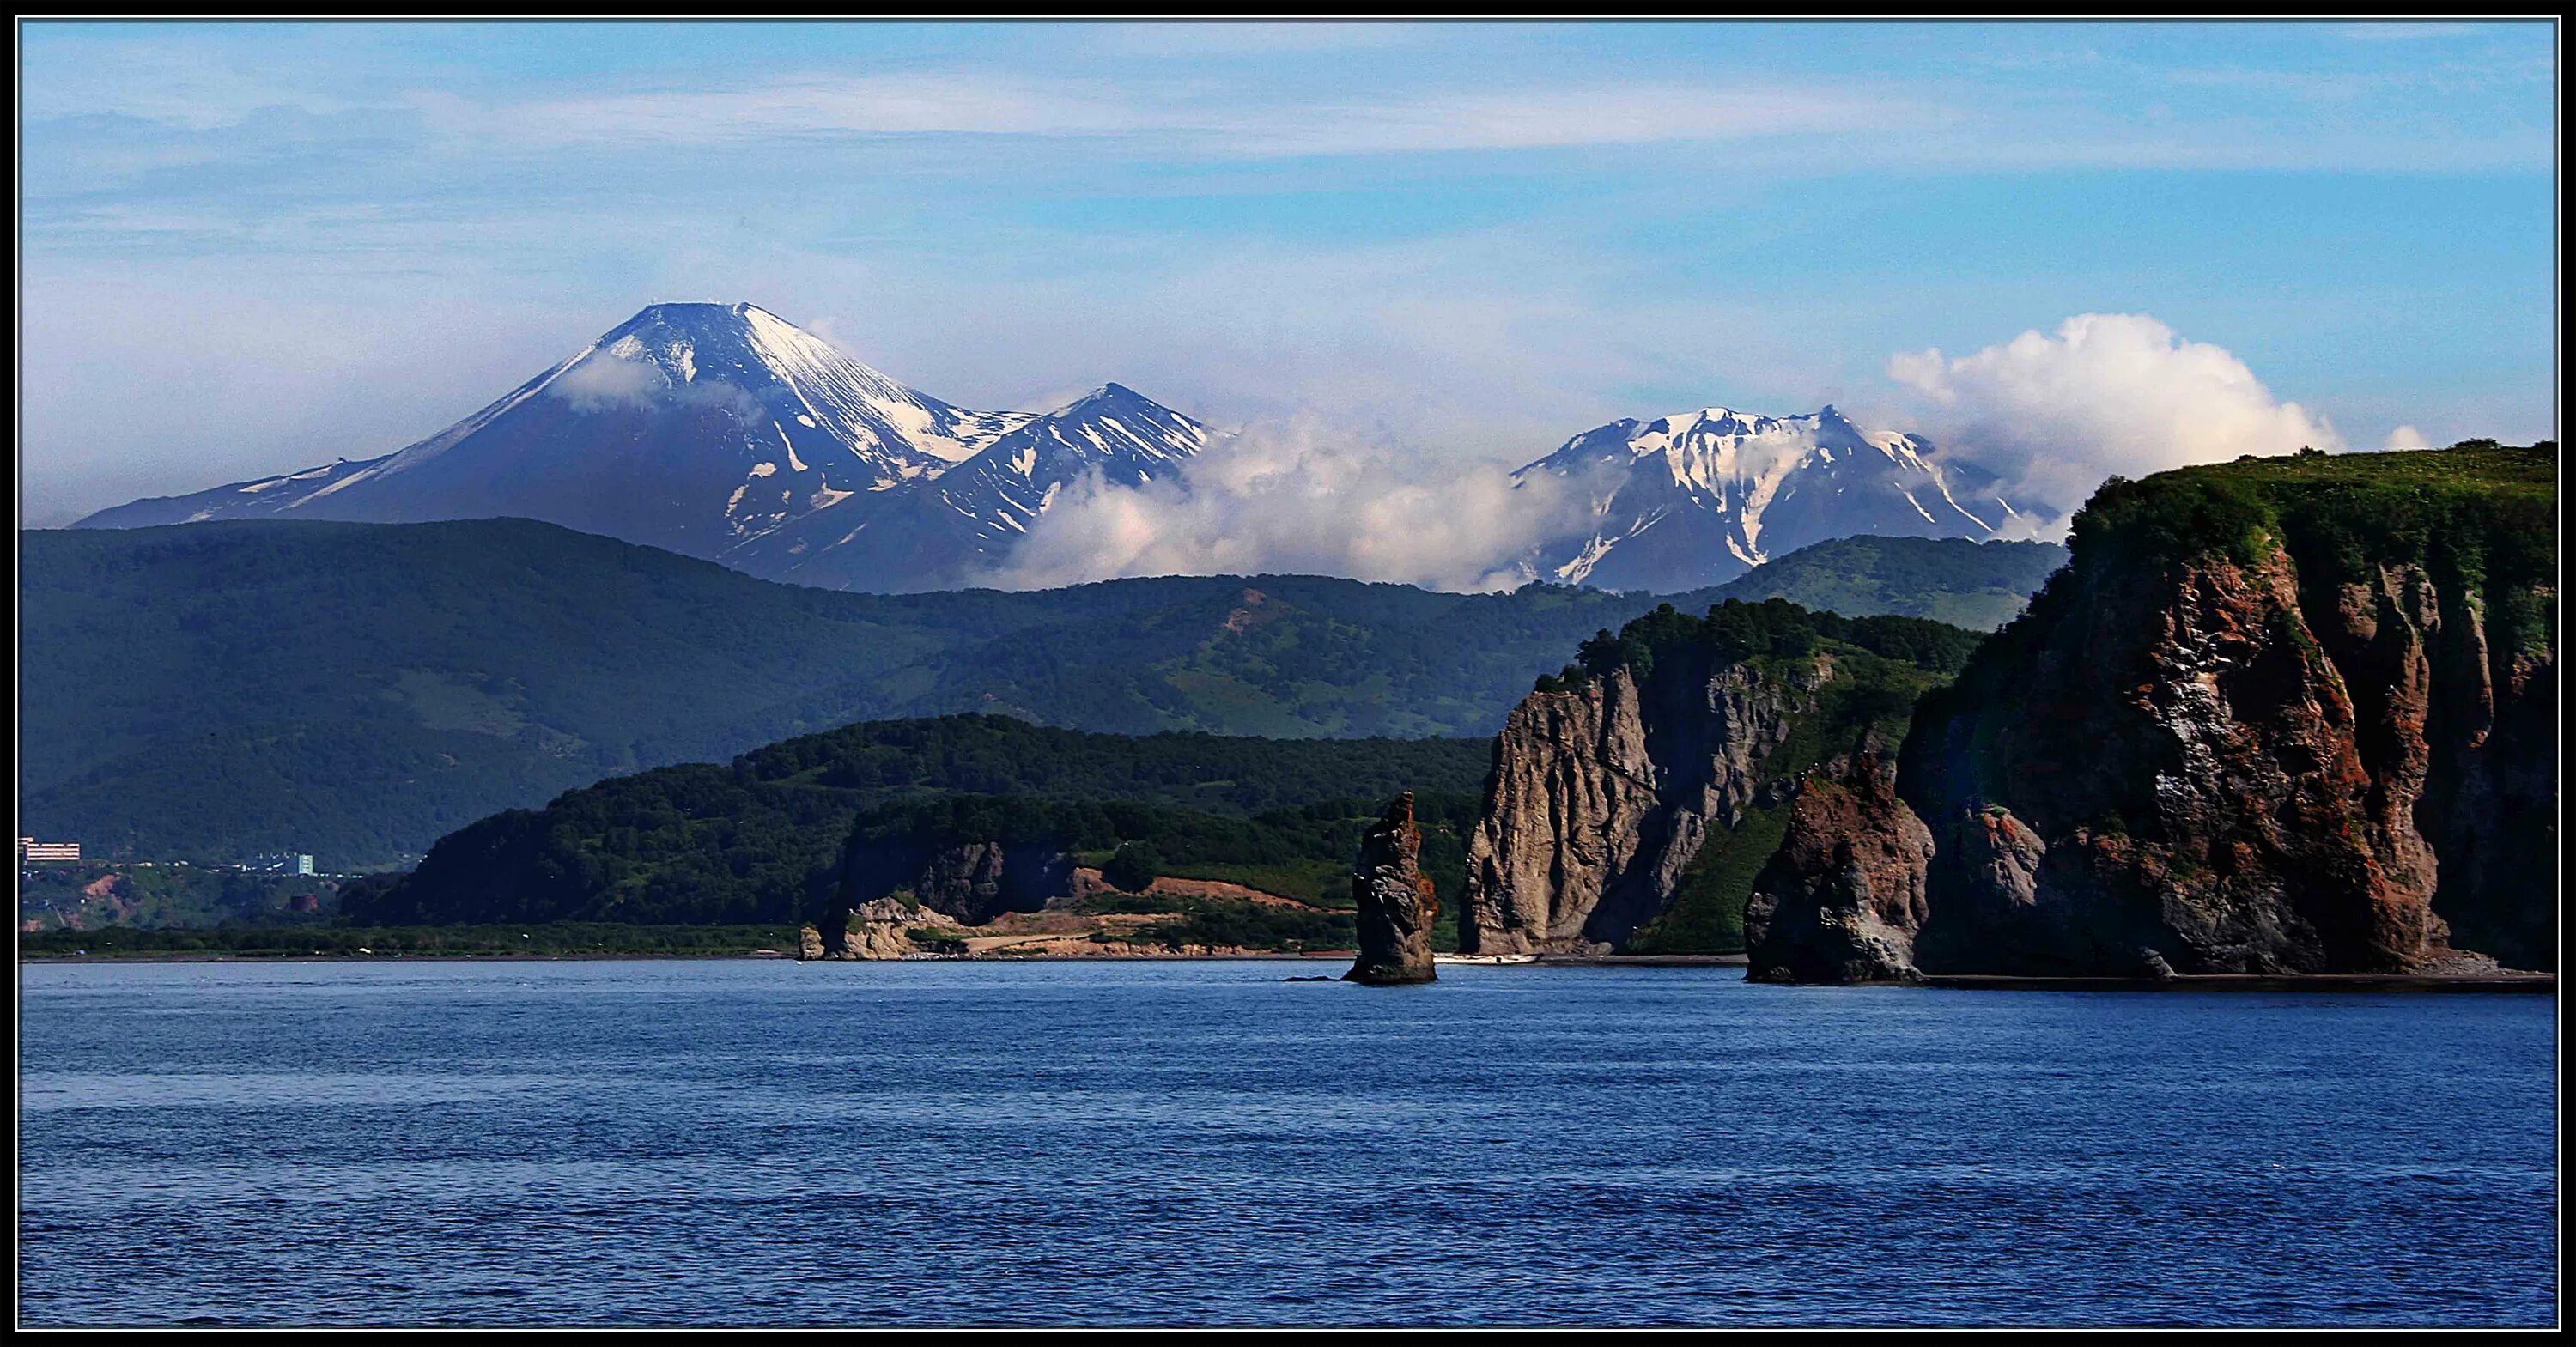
962,1143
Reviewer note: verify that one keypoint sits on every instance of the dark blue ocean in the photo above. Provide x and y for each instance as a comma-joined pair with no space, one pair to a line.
760,1142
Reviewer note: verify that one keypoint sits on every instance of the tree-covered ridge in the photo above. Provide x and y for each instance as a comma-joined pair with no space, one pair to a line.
1734,631
760,840
214,691
1980,586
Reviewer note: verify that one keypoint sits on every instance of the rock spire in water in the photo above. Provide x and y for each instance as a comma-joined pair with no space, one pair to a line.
1396,902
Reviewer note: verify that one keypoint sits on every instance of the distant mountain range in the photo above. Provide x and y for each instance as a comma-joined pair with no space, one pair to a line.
1705,496
218,690
724,432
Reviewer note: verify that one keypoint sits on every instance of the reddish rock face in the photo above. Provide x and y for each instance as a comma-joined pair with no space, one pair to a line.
1396,903
1843,897
2266,722
2180,775
2217,767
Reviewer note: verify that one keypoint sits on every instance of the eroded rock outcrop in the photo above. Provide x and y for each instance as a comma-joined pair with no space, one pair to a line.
1841,899
883,928
1396,903
2254,728
972,882
1602,794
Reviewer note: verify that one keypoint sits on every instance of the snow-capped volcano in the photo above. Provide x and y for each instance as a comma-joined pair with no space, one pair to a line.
712,429
1702,497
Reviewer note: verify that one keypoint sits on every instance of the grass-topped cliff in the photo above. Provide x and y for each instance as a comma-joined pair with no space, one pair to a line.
2280,714
2479,518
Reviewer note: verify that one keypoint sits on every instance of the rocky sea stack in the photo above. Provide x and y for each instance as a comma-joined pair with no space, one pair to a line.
1396,902
2280,716
1842,897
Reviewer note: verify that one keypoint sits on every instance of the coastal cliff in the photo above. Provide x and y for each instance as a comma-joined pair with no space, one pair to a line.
1634,796
2282,716
1396,903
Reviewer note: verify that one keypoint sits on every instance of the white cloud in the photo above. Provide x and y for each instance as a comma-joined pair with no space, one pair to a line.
2404,438
603,382
2107,393
1298,497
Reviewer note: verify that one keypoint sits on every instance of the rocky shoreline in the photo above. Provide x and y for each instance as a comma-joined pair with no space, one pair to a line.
2491,983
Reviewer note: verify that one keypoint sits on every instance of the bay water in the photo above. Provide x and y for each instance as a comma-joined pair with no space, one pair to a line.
1208,1142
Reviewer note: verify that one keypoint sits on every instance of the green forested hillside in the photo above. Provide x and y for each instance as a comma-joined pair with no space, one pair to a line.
1975,585
762,840
356,691
759,840
211,691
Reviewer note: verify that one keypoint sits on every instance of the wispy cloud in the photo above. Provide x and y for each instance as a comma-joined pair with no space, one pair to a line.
187,85
897,104
1195,40
1190,117
2399,31
1628,113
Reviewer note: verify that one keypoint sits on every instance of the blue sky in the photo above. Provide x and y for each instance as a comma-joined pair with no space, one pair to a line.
248,248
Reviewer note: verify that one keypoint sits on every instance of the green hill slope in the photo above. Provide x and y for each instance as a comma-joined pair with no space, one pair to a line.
211,691
1980,586
760,840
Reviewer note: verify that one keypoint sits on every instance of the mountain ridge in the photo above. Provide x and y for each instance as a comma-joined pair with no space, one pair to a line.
705,429
1701,497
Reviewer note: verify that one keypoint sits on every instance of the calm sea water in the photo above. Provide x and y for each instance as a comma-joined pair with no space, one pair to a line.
957,1143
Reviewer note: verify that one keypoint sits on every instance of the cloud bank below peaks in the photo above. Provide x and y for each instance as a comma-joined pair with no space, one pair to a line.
1297,497
2054,414
2051,414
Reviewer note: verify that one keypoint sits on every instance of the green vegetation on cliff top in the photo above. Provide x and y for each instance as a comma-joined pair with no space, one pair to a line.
2479,512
